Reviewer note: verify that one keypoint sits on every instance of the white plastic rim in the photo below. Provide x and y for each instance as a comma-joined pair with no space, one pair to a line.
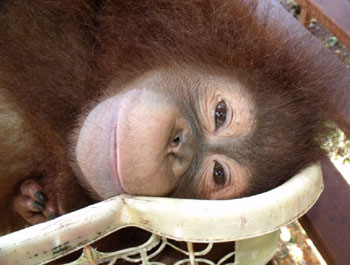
226,220
179,219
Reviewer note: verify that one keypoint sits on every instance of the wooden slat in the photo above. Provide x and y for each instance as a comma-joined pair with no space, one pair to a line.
339,97
305,17
333,15
328,222
337,10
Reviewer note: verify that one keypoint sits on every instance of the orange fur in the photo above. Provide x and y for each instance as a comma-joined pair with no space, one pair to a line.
56,57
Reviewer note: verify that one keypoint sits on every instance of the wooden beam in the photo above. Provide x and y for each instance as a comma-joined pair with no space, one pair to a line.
328,222
333,15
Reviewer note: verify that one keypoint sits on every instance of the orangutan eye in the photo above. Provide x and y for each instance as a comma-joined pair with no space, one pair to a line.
220,114
219,175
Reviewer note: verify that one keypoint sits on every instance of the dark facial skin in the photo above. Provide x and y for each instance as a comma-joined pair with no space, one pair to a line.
144,140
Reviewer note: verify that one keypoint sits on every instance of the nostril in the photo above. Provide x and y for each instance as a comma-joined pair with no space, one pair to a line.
177,140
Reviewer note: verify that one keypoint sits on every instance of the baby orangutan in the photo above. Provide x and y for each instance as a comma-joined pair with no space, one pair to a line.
206,99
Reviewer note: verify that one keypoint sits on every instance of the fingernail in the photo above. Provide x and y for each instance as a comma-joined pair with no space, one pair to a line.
53,216
38,206
40,197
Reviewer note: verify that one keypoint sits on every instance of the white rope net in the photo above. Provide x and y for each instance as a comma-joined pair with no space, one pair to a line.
251,225
140,254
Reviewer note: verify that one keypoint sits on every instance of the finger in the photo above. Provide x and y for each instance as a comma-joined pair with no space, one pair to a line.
29,209
51,210
33,189
24,204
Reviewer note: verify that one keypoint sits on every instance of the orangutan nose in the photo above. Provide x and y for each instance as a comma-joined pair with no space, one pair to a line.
180,149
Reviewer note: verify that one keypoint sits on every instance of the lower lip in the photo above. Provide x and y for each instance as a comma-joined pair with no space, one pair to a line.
113,154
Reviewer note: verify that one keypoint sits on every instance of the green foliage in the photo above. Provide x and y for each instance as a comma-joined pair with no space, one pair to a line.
293,239
291,2
338,145
332,42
